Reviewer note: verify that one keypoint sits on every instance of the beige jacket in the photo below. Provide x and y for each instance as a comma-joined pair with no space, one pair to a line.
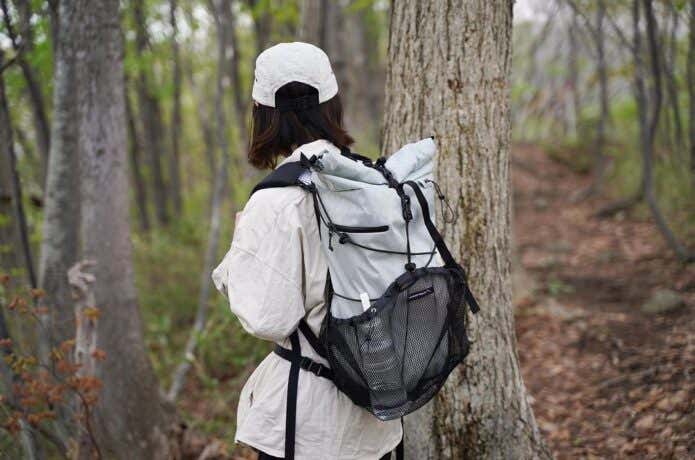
274,274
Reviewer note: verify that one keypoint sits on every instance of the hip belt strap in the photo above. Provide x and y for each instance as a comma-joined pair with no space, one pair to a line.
297,362
305,363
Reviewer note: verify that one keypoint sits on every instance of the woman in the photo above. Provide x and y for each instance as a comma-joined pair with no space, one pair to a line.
274,273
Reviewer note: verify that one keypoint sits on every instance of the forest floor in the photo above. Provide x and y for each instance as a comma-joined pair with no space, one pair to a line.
607,378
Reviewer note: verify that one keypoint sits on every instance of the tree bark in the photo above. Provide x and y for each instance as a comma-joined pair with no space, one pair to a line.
36,97
131,418
226,17
311,23
597,32
448,76
19,217
691,86
343,35
59,246
135,166
601,160
262,22
203,98
668,58
573,70
151,117
10,257
204,122
651,126
174,167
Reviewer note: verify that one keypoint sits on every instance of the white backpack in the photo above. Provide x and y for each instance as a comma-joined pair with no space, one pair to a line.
396,298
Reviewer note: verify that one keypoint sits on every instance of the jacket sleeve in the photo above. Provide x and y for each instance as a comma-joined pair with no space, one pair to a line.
262,273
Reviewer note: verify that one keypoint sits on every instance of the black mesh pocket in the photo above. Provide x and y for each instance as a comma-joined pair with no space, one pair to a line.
395,356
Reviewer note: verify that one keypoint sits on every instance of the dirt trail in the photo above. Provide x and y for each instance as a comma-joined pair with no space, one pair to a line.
607,380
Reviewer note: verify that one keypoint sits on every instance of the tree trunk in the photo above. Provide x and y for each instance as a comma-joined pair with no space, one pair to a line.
668,57
216,201
448,77
131,418
226,17
601,160
262,22
651,126
600,165
36,97
18,216
322,24
135,166
10,256
204,122
342,34
150,114
311,22
174,168
61,210
573,70
691,86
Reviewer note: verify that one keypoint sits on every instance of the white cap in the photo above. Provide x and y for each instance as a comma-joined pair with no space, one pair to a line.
288,62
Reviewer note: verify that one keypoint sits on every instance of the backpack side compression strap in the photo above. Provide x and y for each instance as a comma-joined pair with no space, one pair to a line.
449,260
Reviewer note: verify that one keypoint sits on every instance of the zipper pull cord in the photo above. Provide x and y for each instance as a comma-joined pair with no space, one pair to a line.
445,202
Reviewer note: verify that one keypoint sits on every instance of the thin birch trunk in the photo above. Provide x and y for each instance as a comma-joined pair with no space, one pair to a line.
151,117
448,76
174,166
59,245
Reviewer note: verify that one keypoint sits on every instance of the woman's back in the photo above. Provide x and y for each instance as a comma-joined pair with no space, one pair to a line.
274,275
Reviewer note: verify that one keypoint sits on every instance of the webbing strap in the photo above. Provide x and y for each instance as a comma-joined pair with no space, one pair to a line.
312,339
291,413
297,362
305,363
449,260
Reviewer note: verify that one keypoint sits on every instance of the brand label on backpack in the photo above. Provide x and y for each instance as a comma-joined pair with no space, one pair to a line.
418,294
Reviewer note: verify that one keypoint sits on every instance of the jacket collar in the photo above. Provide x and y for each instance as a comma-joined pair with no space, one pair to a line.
312,148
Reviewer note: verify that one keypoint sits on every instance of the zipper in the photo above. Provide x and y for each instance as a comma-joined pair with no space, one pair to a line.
349,229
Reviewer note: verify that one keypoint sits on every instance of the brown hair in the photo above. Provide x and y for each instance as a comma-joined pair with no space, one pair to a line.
277,133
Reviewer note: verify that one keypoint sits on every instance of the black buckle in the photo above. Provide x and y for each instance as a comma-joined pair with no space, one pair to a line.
312,366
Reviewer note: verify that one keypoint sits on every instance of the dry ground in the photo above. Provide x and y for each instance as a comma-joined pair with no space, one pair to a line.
607,380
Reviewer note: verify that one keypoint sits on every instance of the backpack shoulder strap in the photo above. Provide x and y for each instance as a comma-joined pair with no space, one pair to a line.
285,175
